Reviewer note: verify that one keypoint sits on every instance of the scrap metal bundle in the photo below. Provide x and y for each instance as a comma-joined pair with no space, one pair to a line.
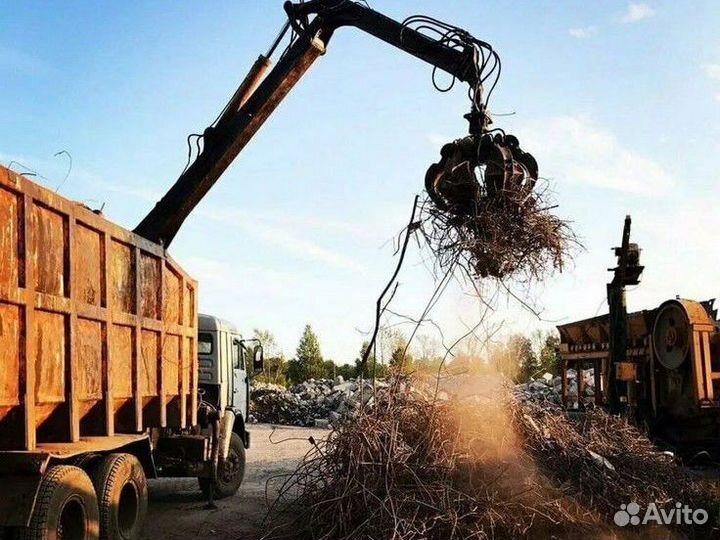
604,462
411,467
485,211
485,466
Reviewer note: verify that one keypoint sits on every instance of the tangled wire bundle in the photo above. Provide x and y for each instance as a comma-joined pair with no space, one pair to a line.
512,234
411,468
605,462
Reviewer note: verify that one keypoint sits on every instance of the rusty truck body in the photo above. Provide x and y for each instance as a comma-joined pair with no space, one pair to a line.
99,354
97,340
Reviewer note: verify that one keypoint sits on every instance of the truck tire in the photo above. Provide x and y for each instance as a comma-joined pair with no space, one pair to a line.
230,472
122,491
66,507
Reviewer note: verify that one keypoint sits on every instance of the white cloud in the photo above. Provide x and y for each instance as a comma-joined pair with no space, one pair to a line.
285,234
717,98
575,150
637,12
285,238
583,32
712,71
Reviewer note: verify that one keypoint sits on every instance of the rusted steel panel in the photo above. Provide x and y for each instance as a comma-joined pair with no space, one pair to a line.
122,344
10,357
88,263
150,294
173,297
122,277
90,336
594,334
10,244
149,368
97,325
48,246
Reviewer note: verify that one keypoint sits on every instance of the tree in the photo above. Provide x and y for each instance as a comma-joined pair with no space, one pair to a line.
329,369
294,372
274,371
372,367
427,354
274,368
521,347
309,356
267,340
346,371
545,343
505,357
549,359
401,359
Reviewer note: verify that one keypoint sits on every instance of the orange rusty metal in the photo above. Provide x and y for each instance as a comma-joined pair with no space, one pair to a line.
625,371
97,325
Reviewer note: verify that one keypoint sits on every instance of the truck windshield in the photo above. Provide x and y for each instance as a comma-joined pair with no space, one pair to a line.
205,343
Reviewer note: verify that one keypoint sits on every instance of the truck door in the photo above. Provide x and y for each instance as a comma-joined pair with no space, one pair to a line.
240,379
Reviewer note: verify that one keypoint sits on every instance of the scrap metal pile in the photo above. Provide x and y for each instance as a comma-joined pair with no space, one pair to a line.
549,388
316,402
604,462
485,466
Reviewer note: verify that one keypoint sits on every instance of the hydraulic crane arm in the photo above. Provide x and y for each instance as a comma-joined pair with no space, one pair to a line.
313,24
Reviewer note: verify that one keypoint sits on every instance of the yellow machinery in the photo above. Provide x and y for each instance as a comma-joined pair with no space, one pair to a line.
660,366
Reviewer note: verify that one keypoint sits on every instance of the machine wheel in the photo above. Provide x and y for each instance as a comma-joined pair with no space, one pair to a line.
122,491
66,507
230,472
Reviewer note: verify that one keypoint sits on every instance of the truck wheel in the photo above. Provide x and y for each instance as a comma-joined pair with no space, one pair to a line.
231,471
122,496
66,507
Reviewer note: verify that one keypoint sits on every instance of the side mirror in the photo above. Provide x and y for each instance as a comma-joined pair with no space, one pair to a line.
258,358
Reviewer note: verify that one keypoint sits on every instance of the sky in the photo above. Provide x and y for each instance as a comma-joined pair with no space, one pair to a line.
619,102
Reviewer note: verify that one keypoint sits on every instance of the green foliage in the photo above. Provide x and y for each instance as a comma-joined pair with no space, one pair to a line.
346,371
274,371
294,372
329,369
549,358
401,359
379,369
309,356
521,346
275,367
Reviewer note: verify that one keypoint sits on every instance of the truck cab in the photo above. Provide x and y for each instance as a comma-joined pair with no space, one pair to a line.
226,361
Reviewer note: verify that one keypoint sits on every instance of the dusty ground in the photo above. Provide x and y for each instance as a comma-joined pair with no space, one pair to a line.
177,509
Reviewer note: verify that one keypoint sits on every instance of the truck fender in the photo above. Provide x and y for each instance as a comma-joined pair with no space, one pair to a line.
239,428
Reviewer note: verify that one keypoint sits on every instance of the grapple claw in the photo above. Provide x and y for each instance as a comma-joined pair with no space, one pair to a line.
453,183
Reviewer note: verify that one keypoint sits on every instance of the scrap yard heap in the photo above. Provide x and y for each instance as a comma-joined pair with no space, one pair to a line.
109,376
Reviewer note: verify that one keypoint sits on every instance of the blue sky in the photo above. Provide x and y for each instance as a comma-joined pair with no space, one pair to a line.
620,103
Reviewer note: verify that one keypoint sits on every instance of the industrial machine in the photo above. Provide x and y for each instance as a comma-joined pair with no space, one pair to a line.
108,375
659,366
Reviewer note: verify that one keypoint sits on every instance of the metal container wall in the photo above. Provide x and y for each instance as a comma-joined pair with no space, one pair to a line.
97,325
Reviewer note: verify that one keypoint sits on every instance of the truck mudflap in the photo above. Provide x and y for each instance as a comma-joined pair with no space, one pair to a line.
20,476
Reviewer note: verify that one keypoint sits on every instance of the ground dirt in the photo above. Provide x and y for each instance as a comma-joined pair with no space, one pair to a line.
177,508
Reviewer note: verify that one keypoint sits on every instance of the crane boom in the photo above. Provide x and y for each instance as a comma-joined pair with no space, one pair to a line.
250,107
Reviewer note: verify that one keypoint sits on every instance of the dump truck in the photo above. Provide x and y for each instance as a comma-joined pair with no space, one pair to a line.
109,376
660,366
